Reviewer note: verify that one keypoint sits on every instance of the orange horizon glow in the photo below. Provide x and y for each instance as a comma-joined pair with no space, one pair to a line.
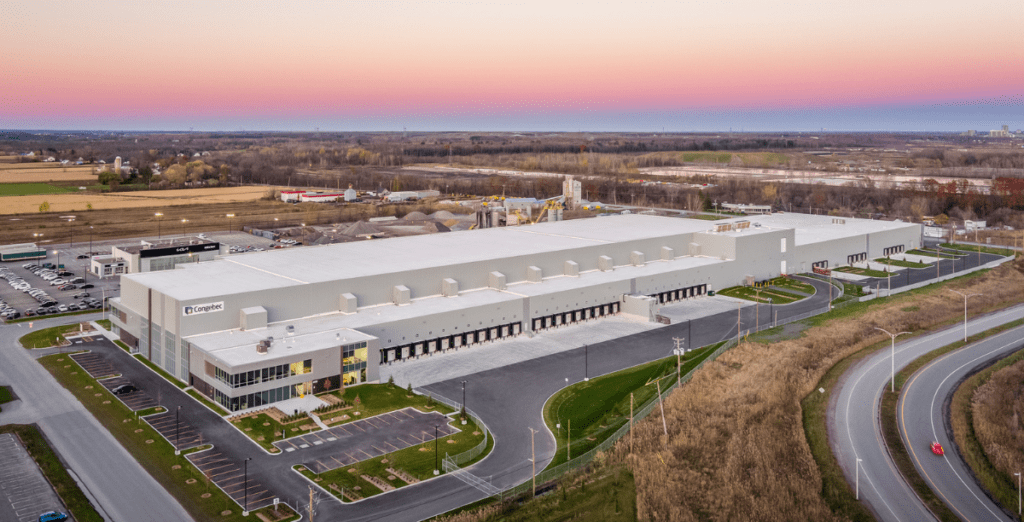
368,59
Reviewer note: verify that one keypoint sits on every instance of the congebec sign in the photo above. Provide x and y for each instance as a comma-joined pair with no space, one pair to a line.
202,308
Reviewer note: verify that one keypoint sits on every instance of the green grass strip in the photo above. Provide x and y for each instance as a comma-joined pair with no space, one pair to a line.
208,403
900,262
160,371
47,337
156,456
597,408
53,469
1000,485
53,316
863,271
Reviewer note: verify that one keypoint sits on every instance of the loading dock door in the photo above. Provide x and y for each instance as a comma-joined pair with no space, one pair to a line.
494,334
444,343
504,331
432,346
515,329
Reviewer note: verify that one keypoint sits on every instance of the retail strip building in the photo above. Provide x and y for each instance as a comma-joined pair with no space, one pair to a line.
252,329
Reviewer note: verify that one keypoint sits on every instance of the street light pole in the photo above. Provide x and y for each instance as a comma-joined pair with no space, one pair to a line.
893,365
183,221
679,360
586,364
158,220
858,479
230,218
966,297
437,468
176,430
1018,492
245,502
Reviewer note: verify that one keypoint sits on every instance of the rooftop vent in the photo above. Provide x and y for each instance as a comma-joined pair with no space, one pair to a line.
263,346
290,329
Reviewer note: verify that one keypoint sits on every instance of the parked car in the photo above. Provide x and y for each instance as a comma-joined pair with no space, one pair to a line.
80,295
83,256
58,282
77,280
62,308
52,516
87,285
124,389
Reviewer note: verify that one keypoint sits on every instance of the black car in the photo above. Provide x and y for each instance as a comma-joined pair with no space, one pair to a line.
87,285
83,256
124,389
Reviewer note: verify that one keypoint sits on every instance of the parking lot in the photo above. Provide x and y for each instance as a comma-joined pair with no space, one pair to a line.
368,438
230,477
176,430
23,300
24,491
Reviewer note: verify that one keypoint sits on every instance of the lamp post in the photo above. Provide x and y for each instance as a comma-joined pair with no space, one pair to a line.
893,338
463,396
437,468
158,220
586,363
303,234
58,258
966,297
771,316
245,501
858,479
1018,492
183,221
176,430
679,359
88,268
230,218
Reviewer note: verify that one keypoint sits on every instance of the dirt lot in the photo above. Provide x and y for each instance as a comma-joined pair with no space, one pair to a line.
44,172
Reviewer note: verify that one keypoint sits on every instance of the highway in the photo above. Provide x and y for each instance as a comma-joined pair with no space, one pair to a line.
853,419
923,417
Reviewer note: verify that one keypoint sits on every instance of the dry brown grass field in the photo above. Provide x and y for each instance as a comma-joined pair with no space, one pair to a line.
45,172
737,449
125,200
998,410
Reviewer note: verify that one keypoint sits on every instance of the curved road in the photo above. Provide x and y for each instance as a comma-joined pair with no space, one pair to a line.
853,425
923,416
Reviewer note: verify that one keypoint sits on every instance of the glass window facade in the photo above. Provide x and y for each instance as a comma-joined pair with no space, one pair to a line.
353,359
272,373
252,400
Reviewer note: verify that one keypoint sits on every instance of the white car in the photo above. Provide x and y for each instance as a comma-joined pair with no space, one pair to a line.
57,281
62,308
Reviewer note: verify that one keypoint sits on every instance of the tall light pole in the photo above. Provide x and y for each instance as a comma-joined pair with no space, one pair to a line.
966,297
679,359
58,258
183,221
230,219
245,502
893,338
437,468
1018,492
88,264
858,478
464,401
303,234
177,411
586,363
158,220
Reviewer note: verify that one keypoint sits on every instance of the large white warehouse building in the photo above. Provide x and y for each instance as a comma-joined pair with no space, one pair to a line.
252,329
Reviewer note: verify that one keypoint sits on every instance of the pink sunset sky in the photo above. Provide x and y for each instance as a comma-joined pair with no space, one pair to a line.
561,65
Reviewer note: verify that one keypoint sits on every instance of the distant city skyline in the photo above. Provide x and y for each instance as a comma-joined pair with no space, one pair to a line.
503,66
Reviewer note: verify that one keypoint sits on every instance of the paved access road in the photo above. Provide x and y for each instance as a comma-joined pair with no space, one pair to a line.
24,492
923,417
853,425
112,479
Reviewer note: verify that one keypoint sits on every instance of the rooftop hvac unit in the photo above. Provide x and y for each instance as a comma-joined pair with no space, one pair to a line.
290,329
263,346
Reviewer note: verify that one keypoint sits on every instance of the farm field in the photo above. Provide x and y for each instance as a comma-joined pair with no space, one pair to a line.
124,200
44,172
25,189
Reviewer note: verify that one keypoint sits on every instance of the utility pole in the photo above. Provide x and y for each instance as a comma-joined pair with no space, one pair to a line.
568,440
679,360
738,309
310,504
661,405
966,297
533,460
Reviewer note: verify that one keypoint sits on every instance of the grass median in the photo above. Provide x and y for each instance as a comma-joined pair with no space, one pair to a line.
203,500
778,297
160,371
863,271
47,337
594,410
836,491
1001,485
973,249
55,472
901,262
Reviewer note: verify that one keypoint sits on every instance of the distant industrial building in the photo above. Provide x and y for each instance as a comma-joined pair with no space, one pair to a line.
153,257
21,251
252,330
747,209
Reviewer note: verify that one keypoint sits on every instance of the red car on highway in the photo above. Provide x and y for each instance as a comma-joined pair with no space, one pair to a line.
937,449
